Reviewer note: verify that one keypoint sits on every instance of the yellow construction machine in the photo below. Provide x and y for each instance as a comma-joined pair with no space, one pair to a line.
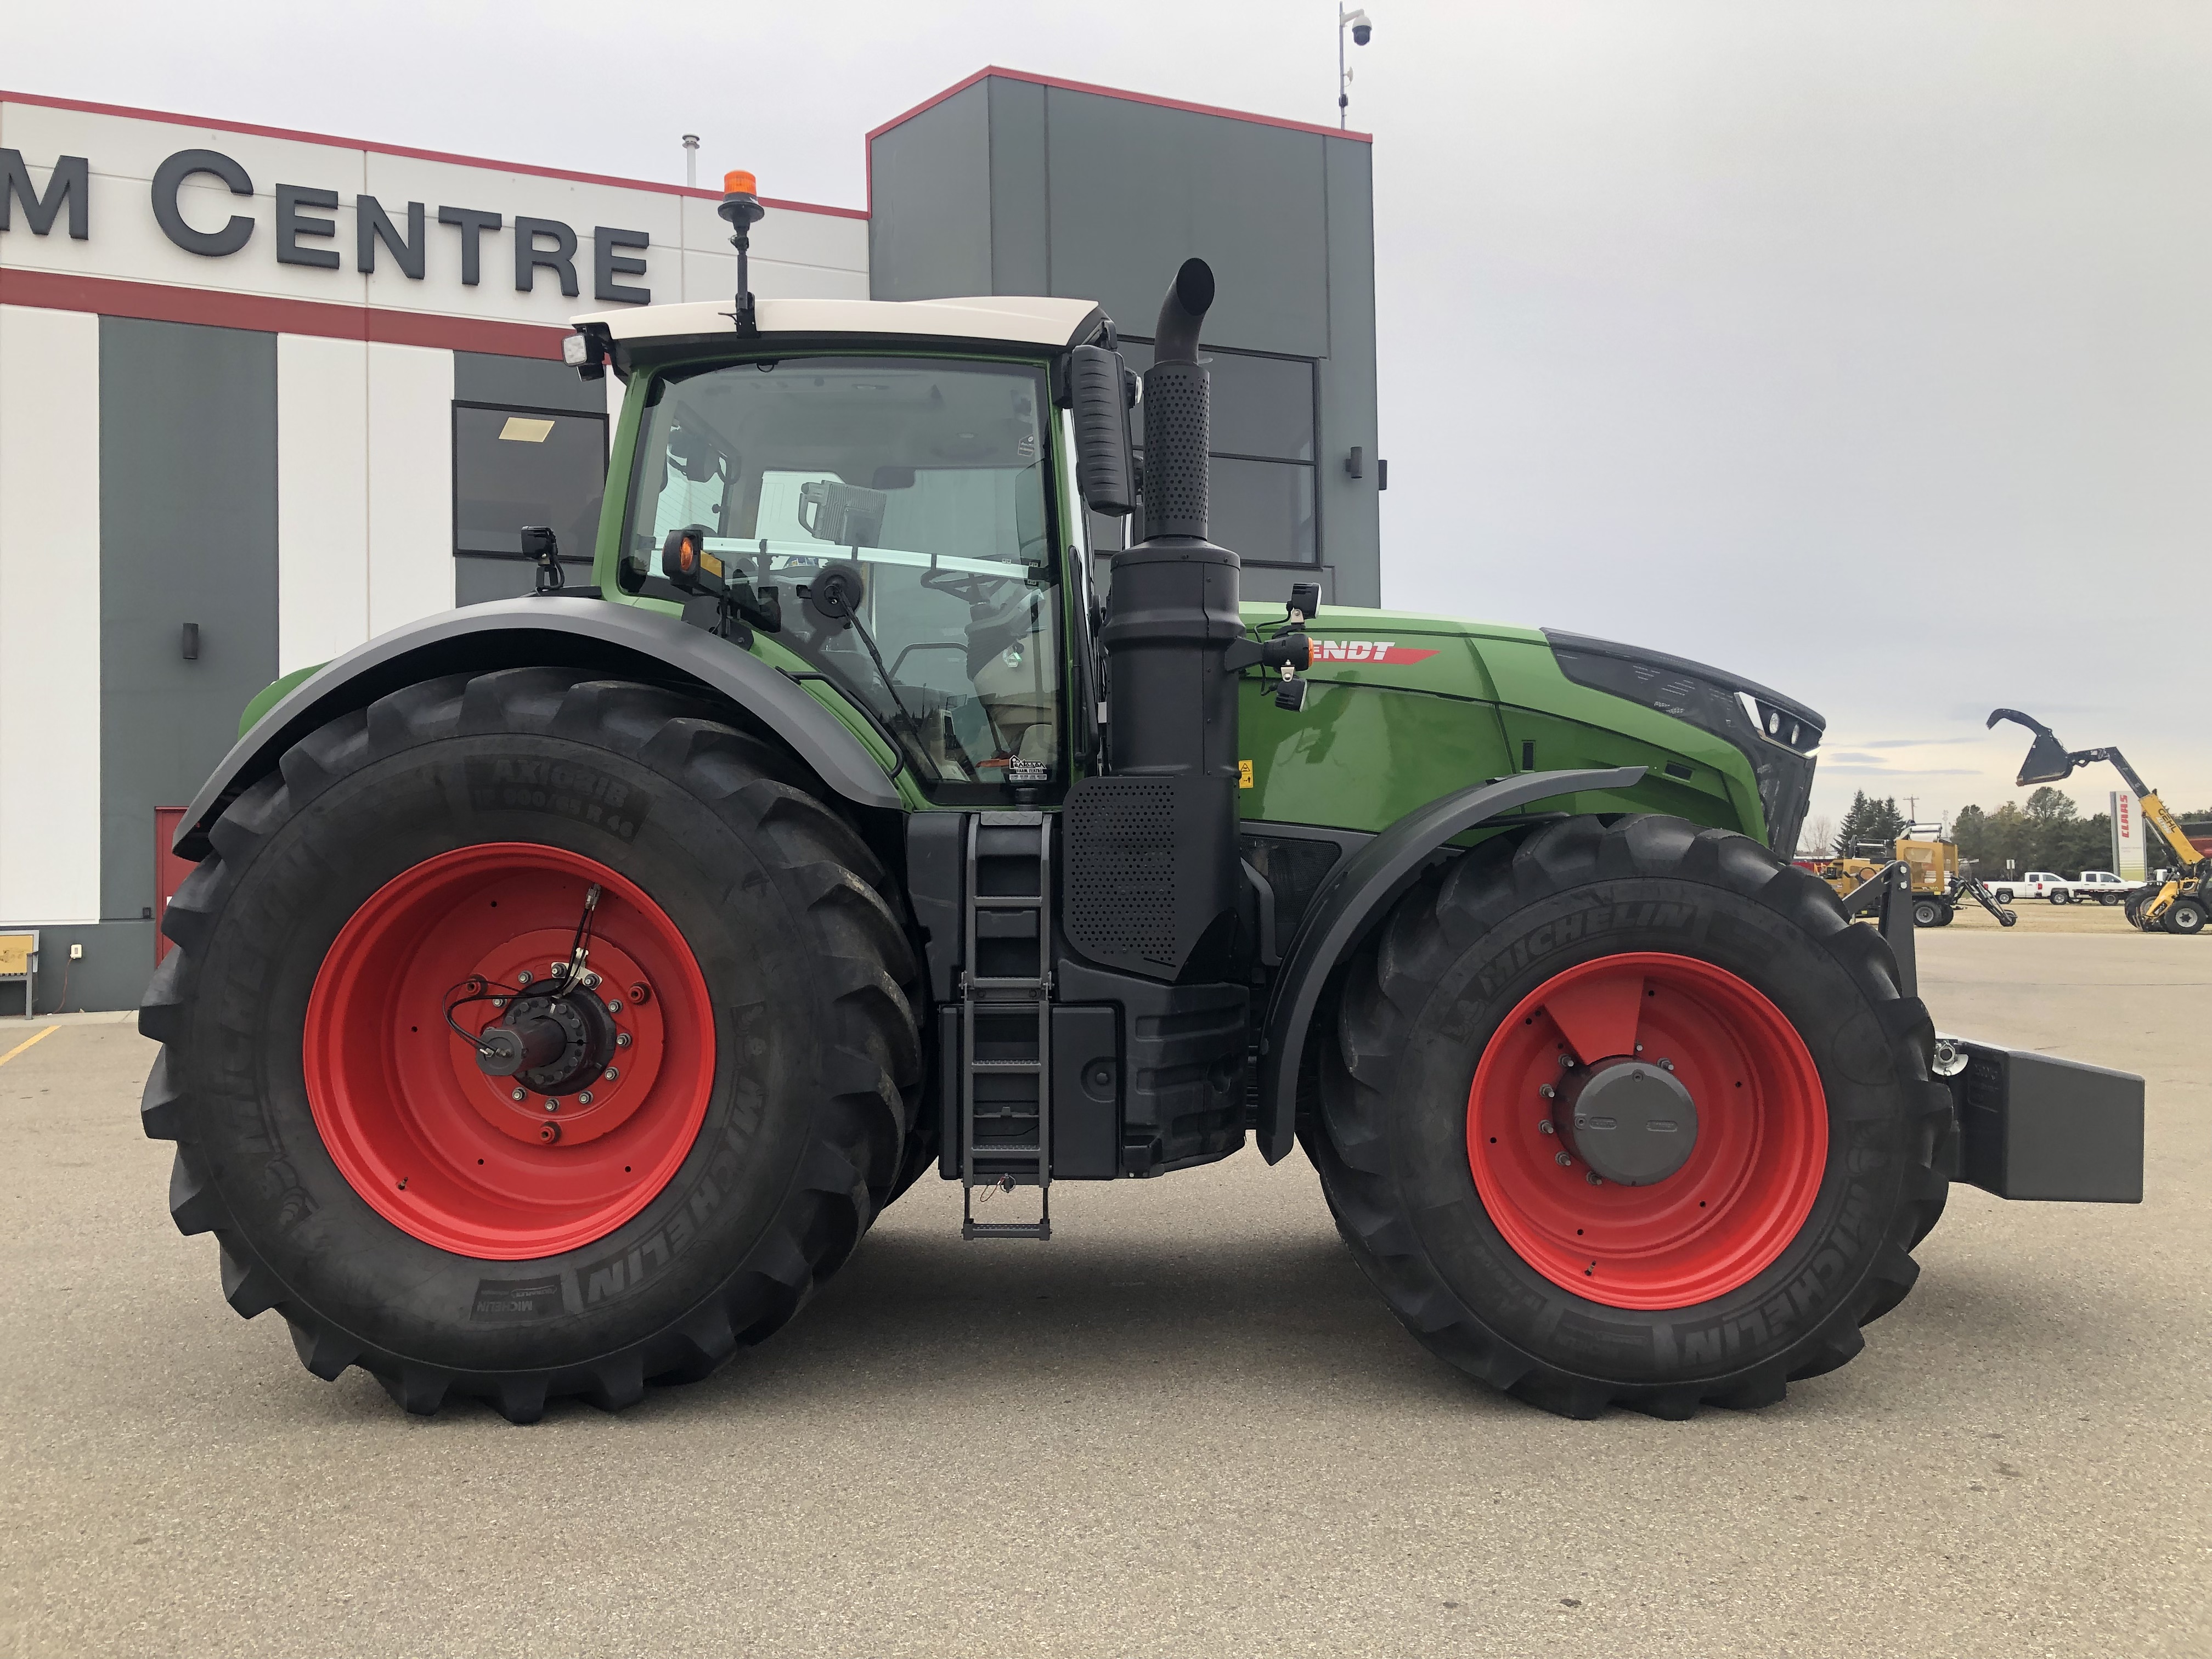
2175,905
1938,882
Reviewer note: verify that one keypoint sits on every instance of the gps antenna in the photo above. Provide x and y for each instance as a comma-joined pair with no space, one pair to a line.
742,207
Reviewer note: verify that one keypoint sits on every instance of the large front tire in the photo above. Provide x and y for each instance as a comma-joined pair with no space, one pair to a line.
1822,1147
452,1234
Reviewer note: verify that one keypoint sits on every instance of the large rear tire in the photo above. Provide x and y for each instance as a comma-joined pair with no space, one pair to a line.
449,1232
1819,1149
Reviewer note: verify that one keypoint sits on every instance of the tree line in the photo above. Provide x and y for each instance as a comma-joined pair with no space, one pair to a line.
2046,832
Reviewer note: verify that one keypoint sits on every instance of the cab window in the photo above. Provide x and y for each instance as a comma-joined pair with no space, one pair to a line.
932,478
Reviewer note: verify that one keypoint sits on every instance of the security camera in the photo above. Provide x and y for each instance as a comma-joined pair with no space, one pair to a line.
1363,29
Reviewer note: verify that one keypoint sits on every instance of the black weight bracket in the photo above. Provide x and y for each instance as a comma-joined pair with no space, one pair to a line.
1887,895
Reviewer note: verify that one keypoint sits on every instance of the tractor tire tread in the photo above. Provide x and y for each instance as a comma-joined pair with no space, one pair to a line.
1392,977
863,1129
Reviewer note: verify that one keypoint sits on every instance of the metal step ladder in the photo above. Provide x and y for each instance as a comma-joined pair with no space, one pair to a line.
1005,1019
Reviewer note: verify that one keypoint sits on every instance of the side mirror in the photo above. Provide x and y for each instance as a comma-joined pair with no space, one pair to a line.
1099,398
2047,760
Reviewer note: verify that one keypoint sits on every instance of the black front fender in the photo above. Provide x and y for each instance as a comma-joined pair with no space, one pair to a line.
554,632
1356,895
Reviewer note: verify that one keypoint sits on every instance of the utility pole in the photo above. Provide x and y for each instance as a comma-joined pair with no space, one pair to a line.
691,161
1363,29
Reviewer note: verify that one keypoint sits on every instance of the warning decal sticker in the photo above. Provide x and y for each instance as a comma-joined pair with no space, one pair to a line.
1379,651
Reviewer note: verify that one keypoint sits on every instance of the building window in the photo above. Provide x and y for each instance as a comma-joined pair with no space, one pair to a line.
1263,446
514,466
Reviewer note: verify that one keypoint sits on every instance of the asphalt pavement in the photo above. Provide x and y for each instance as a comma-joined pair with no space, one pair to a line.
1185,1426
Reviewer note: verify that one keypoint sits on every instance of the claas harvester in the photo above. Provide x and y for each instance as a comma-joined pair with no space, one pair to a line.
566,983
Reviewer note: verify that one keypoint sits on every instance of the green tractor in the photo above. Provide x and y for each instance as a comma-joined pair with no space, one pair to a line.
567,983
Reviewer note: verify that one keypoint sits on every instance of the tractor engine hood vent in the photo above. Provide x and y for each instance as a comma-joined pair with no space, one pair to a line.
1777,734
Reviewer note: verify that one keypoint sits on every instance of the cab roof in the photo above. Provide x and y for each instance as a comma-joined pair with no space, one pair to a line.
997,317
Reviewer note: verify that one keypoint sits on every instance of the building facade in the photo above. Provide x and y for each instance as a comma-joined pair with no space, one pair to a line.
264,395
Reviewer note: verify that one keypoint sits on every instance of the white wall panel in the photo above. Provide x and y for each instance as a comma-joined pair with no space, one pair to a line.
49,615
411,484
322,499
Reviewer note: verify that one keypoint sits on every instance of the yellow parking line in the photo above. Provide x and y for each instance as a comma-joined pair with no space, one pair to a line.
27,1042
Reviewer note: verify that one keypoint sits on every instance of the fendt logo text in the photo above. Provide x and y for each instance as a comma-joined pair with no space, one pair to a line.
1369,651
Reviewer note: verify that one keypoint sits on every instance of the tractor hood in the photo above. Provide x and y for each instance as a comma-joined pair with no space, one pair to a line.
1540,682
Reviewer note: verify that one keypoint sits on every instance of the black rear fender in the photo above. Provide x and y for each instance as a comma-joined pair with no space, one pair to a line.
618,639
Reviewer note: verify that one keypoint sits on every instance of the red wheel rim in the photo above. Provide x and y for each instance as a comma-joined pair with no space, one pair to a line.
445,1152
1750,1179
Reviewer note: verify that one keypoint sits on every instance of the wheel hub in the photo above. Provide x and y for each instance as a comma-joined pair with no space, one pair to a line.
560,1042
1631,1120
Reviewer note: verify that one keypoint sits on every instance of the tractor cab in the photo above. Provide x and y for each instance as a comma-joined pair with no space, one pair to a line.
910,453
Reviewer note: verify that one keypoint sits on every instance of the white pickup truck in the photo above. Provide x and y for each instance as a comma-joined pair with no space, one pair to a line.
2102,885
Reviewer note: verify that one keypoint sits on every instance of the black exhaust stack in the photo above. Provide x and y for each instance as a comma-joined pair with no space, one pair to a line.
1160,833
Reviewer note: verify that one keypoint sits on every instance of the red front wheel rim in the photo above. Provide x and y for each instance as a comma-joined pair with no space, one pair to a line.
448,1154
1749,1182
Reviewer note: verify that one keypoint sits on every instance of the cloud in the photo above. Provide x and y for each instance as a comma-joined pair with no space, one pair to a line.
1878,770
1916,743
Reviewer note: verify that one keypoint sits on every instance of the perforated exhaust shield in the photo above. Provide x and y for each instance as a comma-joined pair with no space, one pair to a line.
1177,424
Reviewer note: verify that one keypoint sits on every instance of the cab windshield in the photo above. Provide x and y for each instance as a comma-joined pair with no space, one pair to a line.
929,477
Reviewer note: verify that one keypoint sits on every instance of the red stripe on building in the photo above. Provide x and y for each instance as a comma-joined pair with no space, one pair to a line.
868,143
161,302
1125,97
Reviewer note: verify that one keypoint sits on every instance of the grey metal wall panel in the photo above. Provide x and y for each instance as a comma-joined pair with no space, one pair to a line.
482,378
187,533
1021,246
929,235
1137,189
1350,514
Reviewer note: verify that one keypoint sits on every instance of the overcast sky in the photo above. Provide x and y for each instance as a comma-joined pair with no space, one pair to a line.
1862,347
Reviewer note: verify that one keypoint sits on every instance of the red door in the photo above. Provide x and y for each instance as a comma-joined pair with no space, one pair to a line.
169,873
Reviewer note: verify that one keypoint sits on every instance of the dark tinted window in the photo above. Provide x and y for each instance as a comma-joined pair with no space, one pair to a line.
1263,447
514,467
1264,510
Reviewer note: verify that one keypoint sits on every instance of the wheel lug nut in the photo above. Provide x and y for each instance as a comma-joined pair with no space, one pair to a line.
1544,1126
1665,1065
621,1039
614,1004
590,982
610,1074
1563,1159
1566,1062
1593,1177
585,1098
552,1105
1548,1091
523,978
521,1094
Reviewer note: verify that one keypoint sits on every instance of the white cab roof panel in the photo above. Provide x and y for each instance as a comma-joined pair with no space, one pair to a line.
1018,319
